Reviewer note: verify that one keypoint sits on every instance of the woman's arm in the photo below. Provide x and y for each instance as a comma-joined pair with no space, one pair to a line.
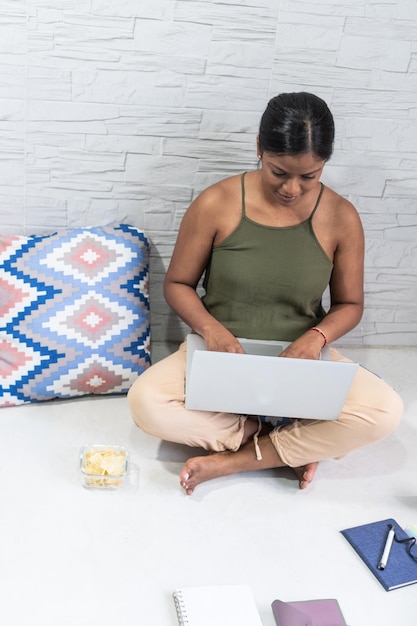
189,260
346,287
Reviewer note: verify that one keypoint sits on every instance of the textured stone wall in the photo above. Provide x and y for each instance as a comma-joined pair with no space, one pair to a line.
124,111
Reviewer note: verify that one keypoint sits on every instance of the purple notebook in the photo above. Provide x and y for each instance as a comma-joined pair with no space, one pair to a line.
308,613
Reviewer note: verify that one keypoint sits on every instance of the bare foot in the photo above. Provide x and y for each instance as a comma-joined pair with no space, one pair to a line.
305,473
198,469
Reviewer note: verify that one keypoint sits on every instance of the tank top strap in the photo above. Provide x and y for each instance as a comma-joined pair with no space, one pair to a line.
242,184
316,206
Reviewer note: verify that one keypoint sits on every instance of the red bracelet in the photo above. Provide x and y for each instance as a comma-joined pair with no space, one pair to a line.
318,330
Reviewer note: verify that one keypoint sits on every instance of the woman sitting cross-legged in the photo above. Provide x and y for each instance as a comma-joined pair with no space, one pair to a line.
268,242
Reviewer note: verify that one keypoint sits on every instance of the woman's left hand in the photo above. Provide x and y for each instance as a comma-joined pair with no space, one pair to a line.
308,346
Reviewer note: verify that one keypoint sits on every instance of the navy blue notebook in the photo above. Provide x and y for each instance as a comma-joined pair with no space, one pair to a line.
369,541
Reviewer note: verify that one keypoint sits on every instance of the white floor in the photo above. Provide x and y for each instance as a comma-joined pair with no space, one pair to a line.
71,556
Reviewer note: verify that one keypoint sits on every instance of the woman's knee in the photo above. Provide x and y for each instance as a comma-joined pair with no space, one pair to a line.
386,417
392,411
140,403
376,404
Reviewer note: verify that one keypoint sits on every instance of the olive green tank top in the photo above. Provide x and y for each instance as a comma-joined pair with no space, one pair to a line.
266,282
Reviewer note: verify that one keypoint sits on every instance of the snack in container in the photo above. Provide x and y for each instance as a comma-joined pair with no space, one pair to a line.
103,466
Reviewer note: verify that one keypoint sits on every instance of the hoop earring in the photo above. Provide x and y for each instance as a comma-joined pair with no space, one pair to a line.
259,164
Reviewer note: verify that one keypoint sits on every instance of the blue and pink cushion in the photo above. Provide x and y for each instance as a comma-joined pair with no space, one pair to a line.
74,313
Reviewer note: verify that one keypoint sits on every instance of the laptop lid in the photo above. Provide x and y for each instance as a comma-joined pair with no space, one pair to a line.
260,383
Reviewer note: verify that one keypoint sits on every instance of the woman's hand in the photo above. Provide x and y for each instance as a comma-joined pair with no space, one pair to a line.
219,339
308,346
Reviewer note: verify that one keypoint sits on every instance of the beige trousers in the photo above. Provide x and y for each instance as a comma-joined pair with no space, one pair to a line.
156,400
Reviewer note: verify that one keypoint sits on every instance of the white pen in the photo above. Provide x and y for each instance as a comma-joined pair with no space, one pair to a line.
385,555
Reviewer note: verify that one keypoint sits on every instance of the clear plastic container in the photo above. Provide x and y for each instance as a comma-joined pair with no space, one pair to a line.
103,466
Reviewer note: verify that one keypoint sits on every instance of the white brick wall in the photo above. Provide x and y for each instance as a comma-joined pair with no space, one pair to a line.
125,111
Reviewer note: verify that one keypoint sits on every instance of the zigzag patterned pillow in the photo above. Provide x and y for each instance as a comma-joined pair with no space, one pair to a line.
74,313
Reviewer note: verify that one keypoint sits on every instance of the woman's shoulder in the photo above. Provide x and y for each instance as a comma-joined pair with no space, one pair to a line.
223,188
216,211
225,193
339,207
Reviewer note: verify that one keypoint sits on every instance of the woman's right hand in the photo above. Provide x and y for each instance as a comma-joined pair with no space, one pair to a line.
219,339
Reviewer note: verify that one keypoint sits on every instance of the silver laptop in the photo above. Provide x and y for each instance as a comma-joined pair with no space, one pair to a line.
260,383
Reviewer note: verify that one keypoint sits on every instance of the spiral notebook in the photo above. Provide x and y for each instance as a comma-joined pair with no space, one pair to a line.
217,605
